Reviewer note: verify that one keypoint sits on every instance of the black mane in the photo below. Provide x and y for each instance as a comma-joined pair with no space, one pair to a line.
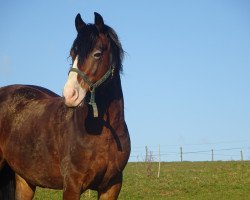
86,40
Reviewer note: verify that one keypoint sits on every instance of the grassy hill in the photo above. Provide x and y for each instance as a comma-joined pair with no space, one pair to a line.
178,180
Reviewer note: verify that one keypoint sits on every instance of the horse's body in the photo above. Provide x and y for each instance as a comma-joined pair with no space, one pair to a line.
49,144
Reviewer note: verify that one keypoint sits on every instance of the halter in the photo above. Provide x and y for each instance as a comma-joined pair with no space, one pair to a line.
93,86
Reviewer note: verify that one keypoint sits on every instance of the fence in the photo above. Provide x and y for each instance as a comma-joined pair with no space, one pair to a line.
189,153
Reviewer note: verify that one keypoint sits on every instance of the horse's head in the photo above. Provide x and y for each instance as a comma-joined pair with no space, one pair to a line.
96,56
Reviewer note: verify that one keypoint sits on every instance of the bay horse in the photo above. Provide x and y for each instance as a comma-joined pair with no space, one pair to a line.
76,142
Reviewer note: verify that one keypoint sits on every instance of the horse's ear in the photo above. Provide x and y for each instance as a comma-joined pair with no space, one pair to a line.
99,22
79,23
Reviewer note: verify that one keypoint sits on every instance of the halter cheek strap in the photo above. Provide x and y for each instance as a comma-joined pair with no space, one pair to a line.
93,86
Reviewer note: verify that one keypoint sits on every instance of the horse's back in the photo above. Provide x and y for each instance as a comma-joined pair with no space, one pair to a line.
28,92
20,104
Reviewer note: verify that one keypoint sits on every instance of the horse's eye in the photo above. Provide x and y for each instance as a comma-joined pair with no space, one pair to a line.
97,55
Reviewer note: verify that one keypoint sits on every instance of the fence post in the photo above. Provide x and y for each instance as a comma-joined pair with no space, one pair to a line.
159,166
181,154
146,157
241,155
212,155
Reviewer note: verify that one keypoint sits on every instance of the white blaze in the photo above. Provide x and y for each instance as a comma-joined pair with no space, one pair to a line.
73,92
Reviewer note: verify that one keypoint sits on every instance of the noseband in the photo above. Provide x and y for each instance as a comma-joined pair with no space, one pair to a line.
93,86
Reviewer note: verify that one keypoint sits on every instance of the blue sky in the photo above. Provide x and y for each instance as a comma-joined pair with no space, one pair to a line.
186,70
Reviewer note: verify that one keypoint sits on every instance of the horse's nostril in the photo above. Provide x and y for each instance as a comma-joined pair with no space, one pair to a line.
70,95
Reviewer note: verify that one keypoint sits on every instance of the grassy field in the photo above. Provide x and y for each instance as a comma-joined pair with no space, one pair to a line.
179,180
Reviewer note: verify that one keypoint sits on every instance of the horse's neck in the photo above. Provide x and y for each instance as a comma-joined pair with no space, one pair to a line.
114,108
109,99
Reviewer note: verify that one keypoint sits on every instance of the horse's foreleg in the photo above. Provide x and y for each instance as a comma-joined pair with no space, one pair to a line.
112,192
71,194
72,188
24,191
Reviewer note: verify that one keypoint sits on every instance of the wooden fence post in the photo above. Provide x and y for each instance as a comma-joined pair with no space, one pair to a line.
181,154
212,155
241,155
146,157
159,166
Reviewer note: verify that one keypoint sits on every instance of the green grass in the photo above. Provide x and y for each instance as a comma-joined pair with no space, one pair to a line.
186,180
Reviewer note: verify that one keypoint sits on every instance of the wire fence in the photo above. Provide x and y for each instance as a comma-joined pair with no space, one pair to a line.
191,152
